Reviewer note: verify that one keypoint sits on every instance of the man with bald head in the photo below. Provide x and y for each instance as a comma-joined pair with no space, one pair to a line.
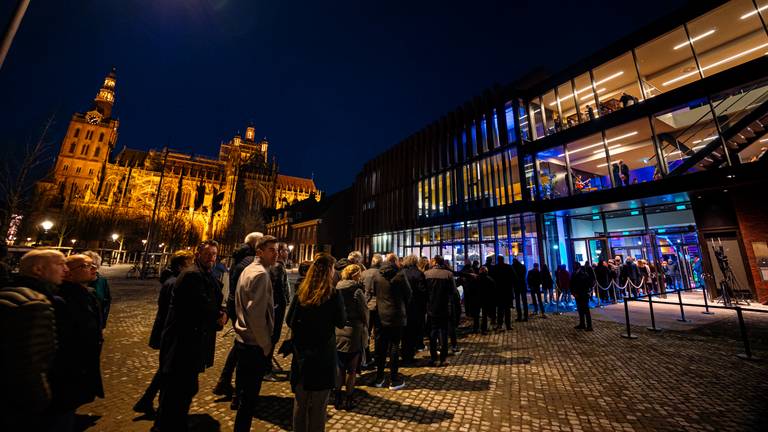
41,270
76,375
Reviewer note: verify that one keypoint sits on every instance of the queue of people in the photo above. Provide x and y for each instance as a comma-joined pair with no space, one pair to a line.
332,314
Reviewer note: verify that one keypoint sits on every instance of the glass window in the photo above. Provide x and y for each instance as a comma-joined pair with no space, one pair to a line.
499,179
473,232
524,126
670,216
666,63
586,226
97,152
588,164
72,147
727,36
513,175
551,116
553,178
530,176
434,235
509,116
458,232
567,105
487,227
531,246
538,118
625,221
586,98
684,130
616,84
633,159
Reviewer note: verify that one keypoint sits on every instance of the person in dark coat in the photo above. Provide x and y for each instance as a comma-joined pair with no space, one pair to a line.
440,289
563,284
29,311
468,280
630,273
416,309
314,314
504,276
521,292
100,288
241,259
392,295
603,278
581,285
189,337
534,284
368,277
486,297
76,378
181,260
351,339
547,284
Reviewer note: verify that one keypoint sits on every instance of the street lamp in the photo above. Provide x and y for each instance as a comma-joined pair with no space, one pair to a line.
73,241
144,242
115,237
47,225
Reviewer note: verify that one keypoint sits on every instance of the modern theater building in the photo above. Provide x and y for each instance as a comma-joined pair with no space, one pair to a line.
653,147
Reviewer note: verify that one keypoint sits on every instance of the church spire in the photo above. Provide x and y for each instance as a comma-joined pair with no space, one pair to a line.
106,96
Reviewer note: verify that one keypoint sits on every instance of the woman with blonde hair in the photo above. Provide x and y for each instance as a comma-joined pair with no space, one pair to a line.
314,312
351,340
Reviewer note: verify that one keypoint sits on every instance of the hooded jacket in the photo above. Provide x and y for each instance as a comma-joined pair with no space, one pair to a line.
392,293
354,336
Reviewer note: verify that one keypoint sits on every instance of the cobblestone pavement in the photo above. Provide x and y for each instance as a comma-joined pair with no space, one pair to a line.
542,375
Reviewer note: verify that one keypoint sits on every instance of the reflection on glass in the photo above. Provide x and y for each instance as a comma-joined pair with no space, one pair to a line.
567,105
530,177
588,164
616,84
538,118
666,65
523,118
727,36
553,178
633,159
551,117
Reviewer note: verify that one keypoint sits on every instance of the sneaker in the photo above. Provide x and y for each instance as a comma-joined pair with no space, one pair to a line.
397,384
270,377
223,389
144,407
380,382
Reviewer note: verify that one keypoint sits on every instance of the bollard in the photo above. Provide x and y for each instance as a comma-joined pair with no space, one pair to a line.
628,334
706,304
682,311
747,355
653,318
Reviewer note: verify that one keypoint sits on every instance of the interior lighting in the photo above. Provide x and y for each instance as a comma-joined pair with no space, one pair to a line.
599,143
600,90
715,64
694,39
754,12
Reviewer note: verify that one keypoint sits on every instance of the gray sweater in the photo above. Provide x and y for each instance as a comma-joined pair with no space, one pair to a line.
254,307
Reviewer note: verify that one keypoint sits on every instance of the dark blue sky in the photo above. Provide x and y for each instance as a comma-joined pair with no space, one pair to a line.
331,84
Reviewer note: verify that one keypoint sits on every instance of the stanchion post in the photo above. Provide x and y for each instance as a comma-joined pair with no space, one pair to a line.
613,286
747,355
682,311
706,304
628,334
653,318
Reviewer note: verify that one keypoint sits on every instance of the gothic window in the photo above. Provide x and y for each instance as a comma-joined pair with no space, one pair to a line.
89,135
97,152
101,137
77,171
65,168
90,172
77,133
72,147
84,150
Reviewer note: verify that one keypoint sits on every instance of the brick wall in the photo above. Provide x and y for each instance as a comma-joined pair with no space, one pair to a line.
752,214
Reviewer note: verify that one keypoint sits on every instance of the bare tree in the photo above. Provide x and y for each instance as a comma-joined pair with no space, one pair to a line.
17,178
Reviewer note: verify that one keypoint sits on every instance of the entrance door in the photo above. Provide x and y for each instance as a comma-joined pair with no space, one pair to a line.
635,246
590,251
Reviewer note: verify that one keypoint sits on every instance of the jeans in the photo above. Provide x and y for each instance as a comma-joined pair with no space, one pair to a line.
585,316
309,410
251,367
439,331
521,298
388,343
176,392
538,303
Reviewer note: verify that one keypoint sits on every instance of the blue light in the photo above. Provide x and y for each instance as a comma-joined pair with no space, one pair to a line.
662,231
555,247
680,207
625,232
634,213
595,217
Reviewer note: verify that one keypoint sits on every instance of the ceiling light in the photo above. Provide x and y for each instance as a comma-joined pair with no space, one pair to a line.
592,96
694,39
717,63
608,78
598,143
760,9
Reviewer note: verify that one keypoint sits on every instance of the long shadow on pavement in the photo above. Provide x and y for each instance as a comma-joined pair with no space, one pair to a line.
376,406
434,381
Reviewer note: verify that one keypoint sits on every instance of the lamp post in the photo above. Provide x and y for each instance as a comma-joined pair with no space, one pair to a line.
46,225
116,236
290,254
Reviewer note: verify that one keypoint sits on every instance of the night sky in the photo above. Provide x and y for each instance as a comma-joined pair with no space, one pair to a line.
331,84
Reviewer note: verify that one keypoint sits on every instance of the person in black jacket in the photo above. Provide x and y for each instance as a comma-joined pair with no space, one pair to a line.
547,284
351,339
630,273
241,259
521,293
76,377
416,309
392,294
314,314
486,295
181,260
504,276
189,337
581,286
440,289
534,284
